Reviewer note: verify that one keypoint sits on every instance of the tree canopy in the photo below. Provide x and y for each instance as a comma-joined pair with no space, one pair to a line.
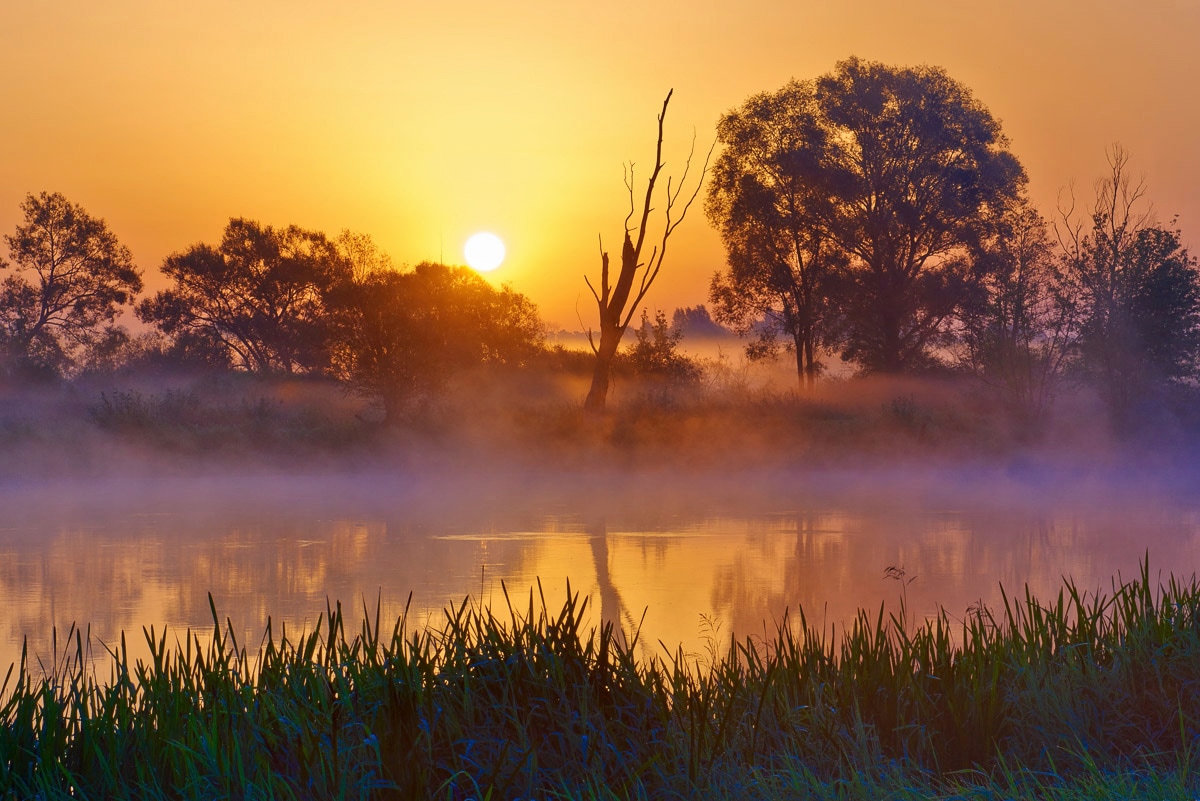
259,296
847,206
70,279
916,165
1018,324
769,200
400,335
1137,291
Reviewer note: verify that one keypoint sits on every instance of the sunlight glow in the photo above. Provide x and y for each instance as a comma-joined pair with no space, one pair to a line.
484,252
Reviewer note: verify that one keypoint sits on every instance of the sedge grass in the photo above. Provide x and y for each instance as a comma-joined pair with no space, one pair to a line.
1087,695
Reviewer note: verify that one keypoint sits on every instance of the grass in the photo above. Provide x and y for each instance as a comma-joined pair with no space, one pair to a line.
100,424
1089,695
185,421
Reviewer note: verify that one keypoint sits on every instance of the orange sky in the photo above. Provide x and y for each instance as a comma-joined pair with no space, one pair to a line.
420,125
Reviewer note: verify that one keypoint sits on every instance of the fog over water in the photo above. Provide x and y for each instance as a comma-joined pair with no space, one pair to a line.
696,554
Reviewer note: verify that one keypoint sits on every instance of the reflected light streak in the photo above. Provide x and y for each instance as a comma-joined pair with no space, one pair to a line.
695,578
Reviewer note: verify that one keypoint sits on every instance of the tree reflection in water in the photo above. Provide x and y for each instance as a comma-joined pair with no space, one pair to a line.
142,562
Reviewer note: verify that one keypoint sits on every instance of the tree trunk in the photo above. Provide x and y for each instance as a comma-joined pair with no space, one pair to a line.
395,402
800,363
610,339
806,359
810,368
891,361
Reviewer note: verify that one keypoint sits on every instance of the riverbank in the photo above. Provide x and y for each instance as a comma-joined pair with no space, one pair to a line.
188,425
1080,696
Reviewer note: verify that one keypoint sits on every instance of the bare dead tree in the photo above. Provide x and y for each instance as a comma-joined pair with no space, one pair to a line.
613,300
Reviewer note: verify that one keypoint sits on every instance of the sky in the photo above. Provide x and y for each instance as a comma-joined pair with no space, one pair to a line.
422,123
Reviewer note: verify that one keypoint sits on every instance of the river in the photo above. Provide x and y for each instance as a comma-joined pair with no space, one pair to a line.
687,560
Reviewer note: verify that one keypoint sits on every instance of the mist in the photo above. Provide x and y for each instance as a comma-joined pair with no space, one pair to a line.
686,512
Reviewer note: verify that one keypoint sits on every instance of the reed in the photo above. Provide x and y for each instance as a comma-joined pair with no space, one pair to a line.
1091,695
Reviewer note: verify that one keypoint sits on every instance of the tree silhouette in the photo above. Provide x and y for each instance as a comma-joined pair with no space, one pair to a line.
847,207
1138,292
916,165
260,296
1018,324
81,276
401,335
769,200
695,321
613,300
655,351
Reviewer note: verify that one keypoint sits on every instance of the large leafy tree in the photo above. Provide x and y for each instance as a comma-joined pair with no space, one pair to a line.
851,204
769,199
1138,294
916,166
402,335
259,297
71,277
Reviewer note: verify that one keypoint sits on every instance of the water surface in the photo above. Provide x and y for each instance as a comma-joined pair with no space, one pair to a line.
686,560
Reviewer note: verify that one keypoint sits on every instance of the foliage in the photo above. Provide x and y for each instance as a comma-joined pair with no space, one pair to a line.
234,415
1138,294
1018,324
81,275
916,165
769,199
697,322
860,192
259,298
400,335
656,351
1085,692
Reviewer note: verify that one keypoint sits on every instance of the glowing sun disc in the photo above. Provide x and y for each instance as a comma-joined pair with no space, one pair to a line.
484,252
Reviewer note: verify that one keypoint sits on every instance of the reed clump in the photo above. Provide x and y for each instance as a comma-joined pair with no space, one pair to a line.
1092,695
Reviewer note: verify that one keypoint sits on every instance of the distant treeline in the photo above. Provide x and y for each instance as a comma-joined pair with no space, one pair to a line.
874,214
264,300
275,301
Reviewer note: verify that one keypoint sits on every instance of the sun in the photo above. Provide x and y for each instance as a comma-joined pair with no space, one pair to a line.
484,252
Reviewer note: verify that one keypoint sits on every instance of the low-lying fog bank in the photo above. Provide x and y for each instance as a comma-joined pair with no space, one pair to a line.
463,493
490,424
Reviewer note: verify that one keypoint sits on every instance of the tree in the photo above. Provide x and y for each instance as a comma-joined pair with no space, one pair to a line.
613,300
892,172
1017,326
696,321
656,351
259,296
81,276
1138,292
401,335
769,200
916,165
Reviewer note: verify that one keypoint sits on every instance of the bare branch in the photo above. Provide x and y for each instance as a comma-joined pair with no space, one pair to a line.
628,175
604,285
670,225
588,281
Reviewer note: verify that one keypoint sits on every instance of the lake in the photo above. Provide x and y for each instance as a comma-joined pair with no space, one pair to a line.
689,559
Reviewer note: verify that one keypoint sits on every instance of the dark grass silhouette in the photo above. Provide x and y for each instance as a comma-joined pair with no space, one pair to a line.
1086,694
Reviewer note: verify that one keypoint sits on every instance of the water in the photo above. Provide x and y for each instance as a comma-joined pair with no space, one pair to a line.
688,561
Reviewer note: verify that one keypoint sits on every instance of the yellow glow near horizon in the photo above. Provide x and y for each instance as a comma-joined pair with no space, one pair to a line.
412,122
484,252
